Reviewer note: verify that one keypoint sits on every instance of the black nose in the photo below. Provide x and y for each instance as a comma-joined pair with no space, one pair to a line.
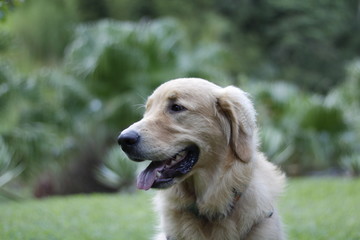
128,139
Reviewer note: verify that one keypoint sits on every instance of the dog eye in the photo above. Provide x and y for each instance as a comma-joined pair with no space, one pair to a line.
177,108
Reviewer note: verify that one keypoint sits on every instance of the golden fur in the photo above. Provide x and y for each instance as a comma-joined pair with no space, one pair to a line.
203,204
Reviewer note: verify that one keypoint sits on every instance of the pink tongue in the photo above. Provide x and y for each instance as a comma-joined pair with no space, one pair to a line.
147,177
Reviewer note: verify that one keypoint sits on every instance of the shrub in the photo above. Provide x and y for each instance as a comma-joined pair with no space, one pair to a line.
352,164
44,27
41,115
109,67
117,171
8,171
300,131
122,62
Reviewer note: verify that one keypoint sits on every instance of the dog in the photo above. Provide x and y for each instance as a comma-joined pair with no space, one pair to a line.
202,143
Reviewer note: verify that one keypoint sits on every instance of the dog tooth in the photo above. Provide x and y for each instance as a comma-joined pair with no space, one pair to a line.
158,174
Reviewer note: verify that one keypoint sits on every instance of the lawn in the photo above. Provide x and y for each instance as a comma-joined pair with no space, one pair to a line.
322,209
311,208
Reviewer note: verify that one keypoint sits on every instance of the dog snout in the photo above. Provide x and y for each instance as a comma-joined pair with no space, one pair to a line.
128,140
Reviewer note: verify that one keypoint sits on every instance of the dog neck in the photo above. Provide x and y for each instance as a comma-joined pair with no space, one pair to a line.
193,209
200,198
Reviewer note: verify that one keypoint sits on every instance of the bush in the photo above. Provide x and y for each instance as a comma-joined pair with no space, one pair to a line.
44,27
117,171
5,40
8,171
122,62
41,115
352,164
109,67
300,131
347,95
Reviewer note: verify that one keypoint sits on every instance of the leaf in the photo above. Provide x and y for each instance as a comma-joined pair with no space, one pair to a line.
10,175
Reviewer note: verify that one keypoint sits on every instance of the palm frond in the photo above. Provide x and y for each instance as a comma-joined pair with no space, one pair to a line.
117,171
7,171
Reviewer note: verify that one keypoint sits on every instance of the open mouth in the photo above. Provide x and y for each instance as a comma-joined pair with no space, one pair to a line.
161,174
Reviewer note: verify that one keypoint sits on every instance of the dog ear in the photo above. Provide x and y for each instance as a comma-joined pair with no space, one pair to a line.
238,110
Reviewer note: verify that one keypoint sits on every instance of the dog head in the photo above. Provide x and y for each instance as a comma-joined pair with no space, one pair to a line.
189,125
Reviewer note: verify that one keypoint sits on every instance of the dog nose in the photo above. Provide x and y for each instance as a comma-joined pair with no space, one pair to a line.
128,139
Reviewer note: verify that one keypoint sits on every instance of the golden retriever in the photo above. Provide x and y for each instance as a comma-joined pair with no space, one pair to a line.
202,142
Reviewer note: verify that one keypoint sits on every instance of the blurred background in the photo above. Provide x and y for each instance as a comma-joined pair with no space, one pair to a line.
74,73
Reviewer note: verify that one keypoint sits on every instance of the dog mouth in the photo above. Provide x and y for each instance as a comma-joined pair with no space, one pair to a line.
161,174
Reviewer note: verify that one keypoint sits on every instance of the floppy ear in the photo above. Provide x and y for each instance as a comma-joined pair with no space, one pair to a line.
239,111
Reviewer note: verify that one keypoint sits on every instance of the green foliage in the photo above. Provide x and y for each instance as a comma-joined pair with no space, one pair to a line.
302,132
44,27
117,171
141,55
98,73
7,171
90,10
348,95
41,115
5,40
129,9
122,62
310,209
109,68
324,119
275,144
124,55
352,164
307,42
6,6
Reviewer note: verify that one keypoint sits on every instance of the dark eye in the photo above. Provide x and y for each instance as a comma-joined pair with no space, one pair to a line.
177,108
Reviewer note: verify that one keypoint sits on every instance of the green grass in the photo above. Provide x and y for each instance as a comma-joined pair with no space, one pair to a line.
82,217
322,209
311,208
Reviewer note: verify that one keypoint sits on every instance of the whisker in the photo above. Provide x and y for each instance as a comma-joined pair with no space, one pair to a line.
139,106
